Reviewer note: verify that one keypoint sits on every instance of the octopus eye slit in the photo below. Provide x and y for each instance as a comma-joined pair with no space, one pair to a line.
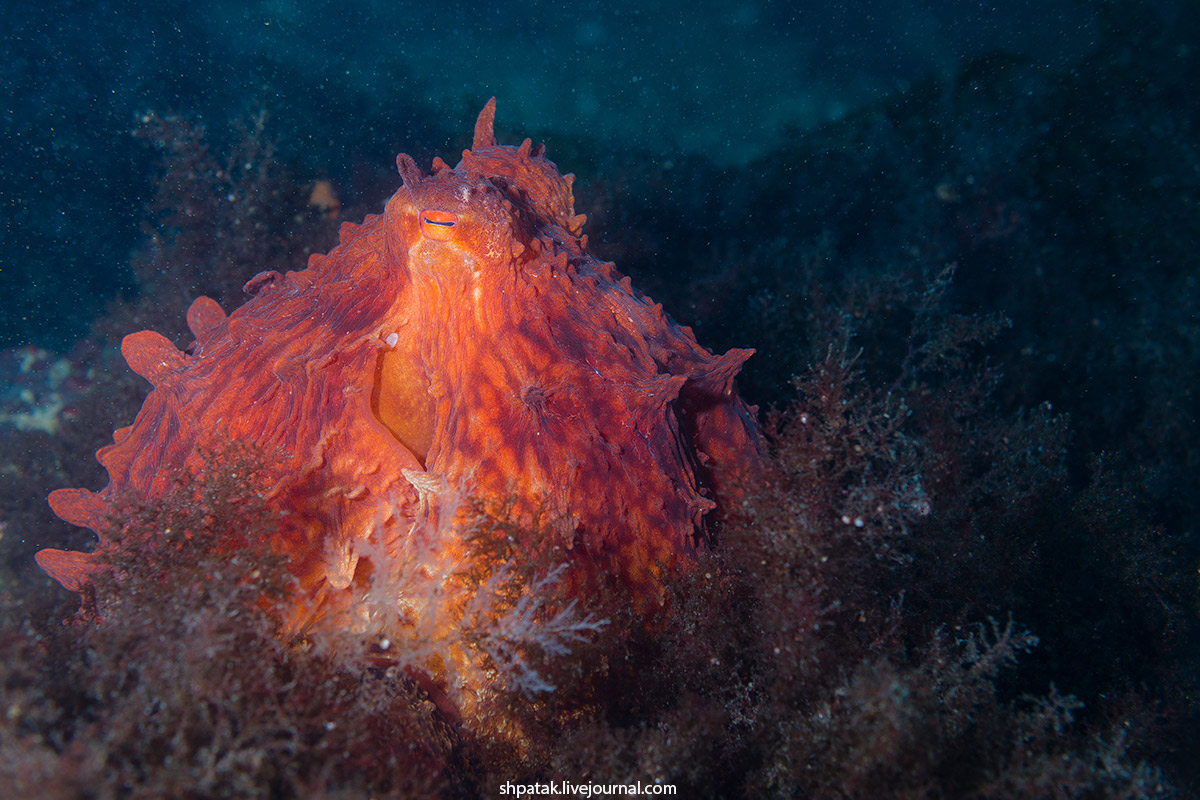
438,225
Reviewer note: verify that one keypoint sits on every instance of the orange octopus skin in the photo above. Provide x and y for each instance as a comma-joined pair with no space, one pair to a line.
466,336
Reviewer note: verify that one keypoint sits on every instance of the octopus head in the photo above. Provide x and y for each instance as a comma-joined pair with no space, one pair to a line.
483,214
453,224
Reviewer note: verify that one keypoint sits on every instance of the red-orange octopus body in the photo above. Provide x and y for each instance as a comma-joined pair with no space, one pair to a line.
466,336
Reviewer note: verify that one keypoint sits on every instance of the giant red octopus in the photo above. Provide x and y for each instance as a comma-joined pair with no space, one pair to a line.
465,337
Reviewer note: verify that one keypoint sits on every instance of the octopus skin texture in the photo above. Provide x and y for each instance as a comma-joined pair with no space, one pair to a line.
466,336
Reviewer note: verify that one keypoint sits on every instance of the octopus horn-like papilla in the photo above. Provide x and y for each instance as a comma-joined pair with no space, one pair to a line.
410,173
485,127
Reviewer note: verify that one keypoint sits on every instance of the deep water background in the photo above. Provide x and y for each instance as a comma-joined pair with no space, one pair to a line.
992,208
352,84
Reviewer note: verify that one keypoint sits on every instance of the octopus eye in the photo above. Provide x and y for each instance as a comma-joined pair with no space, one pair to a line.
438,225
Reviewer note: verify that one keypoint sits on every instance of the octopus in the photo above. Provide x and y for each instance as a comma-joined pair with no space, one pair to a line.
466,336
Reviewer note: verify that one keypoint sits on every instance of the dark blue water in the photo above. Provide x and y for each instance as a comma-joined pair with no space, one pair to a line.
725,81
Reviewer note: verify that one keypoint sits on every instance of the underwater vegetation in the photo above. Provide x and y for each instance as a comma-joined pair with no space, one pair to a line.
968,567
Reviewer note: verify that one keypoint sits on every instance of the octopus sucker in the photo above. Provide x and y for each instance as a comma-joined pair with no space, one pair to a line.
464,339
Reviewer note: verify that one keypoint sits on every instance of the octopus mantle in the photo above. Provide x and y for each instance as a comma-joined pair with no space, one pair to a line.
466,336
